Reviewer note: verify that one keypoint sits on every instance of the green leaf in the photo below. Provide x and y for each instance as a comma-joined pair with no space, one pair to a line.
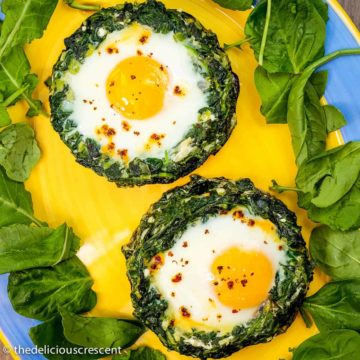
296,34
50,334
235,4
336,253
100,332
19,152
37,293
15,203
337,344
319,81
274,92
25,20
4,116
141,353
336,305
23,247
334,118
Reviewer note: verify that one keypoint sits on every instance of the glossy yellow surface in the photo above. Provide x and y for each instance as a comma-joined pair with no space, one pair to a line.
105,216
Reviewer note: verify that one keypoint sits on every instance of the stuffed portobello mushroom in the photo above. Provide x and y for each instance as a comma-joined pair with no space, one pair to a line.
217,265
143,94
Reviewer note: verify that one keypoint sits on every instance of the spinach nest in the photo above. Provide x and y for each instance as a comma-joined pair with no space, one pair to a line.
143,94
217,265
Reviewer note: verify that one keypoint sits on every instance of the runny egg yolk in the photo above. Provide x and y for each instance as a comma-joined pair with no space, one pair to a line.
136,87
242,279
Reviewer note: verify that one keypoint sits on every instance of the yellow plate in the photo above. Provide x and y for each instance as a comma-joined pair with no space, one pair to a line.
105,216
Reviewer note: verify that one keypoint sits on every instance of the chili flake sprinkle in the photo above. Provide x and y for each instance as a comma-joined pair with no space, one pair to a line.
125,125
185,312
177,278
185,244
144,39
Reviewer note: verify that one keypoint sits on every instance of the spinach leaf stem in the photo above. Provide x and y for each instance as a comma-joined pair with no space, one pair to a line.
265,33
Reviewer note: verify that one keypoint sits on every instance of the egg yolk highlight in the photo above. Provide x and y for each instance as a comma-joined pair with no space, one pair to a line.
136,87
242,279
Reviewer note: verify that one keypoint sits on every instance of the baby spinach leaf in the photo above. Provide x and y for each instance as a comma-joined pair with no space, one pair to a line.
15,203
100,332
23,247
141,353
296,34
19,151
235,4
336,305
334,118
336,253
25,20
337,344
80,6
38,293
50,334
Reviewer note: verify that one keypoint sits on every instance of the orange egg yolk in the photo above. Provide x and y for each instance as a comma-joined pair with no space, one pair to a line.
242,279
136,87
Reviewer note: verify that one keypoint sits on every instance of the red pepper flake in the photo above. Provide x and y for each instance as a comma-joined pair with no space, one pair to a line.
144,39
177,278
238,214
216,283
220,269
224,212
185,244
95,108
178,91
230,285
125,125
162,67
139,52
137,133
133,77
252,274
186,262
112,83
207,231
85,101
251,222
157,137
123,153
280,247
244,282
234,311
111,146
112,50
170,253
185,312
103,119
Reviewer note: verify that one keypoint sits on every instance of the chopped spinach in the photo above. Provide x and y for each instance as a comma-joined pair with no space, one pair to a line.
38,293
336,305
336,253
336,344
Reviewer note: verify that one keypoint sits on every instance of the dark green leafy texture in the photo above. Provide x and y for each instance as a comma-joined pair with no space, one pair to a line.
336,305
334,118
141,353
50,334
204,137
328,345
23,247
15,203
296,33
198,201
337,253
100,332
329,186
235,4
38,293
19,151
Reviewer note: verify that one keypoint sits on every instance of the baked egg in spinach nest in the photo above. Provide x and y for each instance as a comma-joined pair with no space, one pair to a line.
217,265
143,94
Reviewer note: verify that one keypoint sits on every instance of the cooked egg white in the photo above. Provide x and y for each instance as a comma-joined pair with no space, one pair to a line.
137,94
219,272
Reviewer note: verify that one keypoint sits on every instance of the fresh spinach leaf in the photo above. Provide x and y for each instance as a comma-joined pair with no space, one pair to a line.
334,118
38,293
25,20
336,253
50,334
141,353
4,116
337,344
336,305
19,151
23,247
15,203
296,34
100,332
80,6
235,4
